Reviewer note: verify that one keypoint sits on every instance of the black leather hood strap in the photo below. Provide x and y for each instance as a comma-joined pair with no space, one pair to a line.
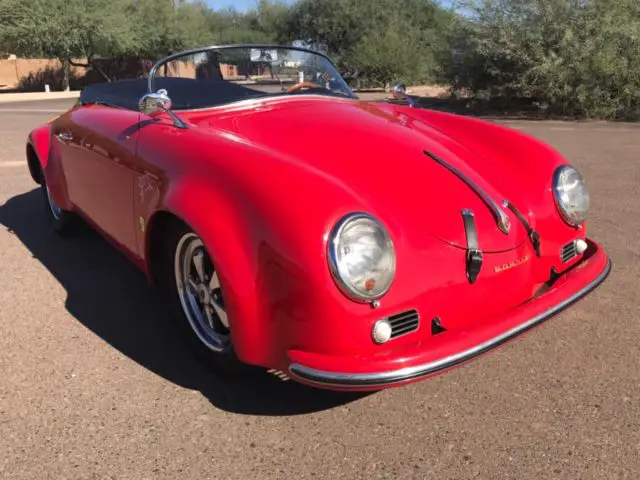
474,254
533,235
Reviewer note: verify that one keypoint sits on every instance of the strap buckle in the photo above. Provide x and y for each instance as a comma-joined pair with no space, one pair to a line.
535,241
533,235
474,254
474,264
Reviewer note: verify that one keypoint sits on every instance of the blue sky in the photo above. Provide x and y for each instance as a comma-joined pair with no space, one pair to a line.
240,5
243,5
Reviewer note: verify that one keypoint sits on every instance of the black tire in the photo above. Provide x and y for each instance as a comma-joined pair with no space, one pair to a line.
225,362
61,221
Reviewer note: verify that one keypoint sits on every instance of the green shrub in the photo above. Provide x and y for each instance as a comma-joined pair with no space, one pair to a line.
574,57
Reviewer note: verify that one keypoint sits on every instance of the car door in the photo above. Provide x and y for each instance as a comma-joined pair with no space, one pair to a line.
98,145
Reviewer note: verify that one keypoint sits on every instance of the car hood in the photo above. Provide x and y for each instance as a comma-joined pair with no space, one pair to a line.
380,155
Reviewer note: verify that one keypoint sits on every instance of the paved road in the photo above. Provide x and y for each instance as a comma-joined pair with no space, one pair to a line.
94,385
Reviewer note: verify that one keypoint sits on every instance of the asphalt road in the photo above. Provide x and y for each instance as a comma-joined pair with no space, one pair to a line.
94,384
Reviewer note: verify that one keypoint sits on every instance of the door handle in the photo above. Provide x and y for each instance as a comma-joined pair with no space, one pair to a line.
65,136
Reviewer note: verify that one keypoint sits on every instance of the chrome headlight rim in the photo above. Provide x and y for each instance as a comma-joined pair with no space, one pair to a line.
332,247
563,213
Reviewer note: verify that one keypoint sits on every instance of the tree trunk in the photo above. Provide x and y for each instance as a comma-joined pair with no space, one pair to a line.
66,67
91,66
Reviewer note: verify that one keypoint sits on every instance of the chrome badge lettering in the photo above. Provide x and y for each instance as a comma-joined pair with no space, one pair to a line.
515,263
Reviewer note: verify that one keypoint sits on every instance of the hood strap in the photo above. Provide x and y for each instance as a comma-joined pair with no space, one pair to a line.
474,254
533,235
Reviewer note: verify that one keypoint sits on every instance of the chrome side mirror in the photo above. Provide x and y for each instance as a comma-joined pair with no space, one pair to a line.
152,103
400,93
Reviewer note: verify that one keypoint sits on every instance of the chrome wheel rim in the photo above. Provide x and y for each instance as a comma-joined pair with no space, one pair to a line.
200,293
56,211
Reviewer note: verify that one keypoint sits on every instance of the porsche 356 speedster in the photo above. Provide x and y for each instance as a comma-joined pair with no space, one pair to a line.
349,244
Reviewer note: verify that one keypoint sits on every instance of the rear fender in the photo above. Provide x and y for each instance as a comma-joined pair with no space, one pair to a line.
40,141
48,164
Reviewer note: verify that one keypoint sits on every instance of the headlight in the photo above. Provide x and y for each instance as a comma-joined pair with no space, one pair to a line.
571,195
361,257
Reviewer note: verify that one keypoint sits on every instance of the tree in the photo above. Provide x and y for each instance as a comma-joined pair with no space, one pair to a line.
163,27
267,23
65,29
377,40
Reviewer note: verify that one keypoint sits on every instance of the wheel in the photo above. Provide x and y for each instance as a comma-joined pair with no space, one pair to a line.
61,220
191,282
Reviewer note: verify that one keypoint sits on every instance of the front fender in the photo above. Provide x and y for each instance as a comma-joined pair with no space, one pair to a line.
228,238
266,239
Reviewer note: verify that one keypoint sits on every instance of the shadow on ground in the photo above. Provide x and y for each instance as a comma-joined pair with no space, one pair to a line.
111,297
494,108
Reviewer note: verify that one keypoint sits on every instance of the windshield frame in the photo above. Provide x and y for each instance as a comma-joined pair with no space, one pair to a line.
266,46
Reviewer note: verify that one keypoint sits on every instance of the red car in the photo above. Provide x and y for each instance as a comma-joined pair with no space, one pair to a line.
350,245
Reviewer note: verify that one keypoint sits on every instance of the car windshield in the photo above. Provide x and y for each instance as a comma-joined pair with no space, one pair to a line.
221,75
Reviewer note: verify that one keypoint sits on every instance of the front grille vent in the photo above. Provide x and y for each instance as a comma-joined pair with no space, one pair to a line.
568,252
403,323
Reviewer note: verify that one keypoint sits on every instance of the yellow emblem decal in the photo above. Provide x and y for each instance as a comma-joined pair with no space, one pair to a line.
515,263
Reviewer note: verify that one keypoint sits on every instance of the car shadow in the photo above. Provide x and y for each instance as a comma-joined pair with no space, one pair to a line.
111,297
495,108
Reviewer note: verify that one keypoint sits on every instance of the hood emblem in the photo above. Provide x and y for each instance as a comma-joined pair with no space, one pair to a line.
504,222
507,266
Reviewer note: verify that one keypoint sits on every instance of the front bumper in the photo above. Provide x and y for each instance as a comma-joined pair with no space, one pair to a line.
453,348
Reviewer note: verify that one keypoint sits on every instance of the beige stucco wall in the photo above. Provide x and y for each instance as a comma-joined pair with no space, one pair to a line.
12,71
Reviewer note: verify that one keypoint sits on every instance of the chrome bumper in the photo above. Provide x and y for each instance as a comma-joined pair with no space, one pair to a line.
382,379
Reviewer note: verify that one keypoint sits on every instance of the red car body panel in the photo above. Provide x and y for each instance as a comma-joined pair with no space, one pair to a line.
448,349
263,182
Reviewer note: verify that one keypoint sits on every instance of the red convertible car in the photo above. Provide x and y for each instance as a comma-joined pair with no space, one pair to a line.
347,244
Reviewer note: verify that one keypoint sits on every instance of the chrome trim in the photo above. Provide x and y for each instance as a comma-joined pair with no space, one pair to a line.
65,136
399,324
563,214
201,294
400,93
568,252
153,103
332,256
356,380
262,101
502,219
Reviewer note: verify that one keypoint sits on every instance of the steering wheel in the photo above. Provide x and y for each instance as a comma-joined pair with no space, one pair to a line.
298,86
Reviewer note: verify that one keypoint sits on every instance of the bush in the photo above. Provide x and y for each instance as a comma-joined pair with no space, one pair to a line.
573,57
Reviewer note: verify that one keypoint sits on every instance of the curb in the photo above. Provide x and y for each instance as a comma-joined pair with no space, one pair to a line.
34,96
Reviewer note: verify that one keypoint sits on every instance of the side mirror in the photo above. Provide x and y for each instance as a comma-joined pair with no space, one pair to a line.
152,103
400,93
